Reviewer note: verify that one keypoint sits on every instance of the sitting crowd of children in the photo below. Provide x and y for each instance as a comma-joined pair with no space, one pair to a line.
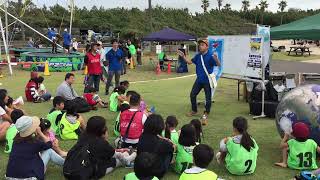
145,142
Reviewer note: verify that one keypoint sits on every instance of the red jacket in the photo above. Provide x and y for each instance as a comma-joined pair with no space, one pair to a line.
89,98
93,63
136,127
31,91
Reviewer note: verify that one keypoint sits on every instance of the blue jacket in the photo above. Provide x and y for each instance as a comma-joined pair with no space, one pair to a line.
66,38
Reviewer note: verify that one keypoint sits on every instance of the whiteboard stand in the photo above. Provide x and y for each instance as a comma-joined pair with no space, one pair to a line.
263,87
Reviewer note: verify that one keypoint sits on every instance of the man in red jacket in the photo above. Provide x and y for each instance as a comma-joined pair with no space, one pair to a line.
92,60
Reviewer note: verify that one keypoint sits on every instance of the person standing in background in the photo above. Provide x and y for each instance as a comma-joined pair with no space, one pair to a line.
114,60
92,60
125,51
66,40
132,50
102,53
139,54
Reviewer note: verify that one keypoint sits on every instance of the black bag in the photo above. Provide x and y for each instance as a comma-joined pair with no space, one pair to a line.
79,163
122,140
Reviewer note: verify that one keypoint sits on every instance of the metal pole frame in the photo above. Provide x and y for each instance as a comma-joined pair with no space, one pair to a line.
5,46
29,27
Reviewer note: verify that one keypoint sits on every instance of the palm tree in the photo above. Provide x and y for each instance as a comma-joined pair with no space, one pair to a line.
219,4
282,6
205,5
227,7
263,6
245,5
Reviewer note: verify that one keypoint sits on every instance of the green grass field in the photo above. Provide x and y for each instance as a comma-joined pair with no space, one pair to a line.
171,97
284,56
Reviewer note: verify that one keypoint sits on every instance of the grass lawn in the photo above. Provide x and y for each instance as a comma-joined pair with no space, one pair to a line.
170,98
293,57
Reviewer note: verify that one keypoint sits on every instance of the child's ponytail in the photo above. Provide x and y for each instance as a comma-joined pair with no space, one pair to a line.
198,127
171,122
241,124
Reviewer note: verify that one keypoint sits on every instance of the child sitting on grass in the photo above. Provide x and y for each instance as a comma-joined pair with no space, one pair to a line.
170,129
240,151
130,134
93,99
71,124
30,156
186,144
198,127
57,110
42,91
202,156
116,98
12,131
300,152
124,106
143,167
125,84
45,129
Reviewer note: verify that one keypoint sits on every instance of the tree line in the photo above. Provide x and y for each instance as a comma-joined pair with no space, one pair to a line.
136,22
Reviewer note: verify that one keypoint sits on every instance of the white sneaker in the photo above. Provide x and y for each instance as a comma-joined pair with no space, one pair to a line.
218,155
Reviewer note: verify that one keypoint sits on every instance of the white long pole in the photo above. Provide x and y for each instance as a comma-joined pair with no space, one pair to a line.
29,27
5,46
6,20
71,17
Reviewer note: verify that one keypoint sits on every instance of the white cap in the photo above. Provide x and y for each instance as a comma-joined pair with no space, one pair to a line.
65,29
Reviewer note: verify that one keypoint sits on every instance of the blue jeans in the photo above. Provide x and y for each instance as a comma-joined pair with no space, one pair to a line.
197,87
46,96
50,154
93,81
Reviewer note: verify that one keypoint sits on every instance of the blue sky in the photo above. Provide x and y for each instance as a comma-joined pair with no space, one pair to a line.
193,5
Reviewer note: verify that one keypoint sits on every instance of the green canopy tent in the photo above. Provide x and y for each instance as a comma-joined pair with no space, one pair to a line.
306,28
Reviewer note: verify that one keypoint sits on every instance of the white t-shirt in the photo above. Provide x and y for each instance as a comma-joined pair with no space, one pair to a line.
2,112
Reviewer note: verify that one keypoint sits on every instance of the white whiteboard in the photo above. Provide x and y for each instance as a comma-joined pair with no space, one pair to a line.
234,54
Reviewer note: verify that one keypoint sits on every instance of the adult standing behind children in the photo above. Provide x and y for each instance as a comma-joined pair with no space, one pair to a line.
92,60
132,50
66,91
113,59
209,60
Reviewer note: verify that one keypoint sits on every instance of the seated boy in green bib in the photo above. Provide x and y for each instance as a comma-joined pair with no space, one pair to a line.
143,167
300,152
202,156
58,106
12,131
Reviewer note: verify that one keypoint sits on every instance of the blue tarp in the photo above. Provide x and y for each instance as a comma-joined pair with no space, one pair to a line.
168,34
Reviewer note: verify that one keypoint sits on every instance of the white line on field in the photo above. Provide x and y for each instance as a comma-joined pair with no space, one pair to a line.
181,77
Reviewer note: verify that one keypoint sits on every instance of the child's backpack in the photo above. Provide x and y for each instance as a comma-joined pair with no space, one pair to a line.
79,163
306,175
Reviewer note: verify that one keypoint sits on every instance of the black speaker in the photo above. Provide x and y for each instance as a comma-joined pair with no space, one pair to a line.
270,108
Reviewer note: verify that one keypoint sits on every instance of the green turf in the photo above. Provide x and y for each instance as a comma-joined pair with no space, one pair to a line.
170,98
293,57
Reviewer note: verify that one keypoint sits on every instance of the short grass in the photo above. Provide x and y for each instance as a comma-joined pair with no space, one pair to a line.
293,57
170,98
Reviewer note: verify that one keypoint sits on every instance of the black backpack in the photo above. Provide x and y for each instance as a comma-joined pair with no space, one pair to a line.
79,163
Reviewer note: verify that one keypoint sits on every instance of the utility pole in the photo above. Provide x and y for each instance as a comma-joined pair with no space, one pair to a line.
71,16
6,20
150,14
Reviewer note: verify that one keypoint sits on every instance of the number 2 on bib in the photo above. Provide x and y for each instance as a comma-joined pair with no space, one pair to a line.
248,164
